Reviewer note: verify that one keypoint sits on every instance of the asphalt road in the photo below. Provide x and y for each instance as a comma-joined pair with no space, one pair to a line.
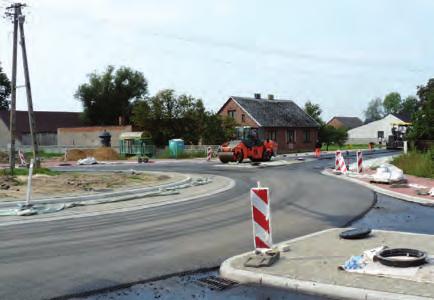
53,259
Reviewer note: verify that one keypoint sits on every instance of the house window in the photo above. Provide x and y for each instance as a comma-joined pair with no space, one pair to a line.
306,135
271,135
231,113
290,136
243,118
380,134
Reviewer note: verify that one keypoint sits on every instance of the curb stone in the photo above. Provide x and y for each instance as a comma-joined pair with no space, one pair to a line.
305,286
381,190
122,193
50,217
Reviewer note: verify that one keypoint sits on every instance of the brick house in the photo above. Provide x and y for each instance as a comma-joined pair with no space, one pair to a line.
345,122
279,120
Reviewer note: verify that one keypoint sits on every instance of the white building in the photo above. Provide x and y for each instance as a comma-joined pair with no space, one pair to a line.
374,131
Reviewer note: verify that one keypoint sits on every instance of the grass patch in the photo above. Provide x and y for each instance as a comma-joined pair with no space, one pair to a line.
416,163
25,172
345,147
43,154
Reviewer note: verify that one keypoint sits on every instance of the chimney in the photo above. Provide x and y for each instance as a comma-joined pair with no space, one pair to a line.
257,96
270,97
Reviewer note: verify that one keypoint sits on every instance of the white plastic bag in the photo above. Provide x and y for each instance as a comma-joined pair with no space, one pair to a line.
388,173
87,161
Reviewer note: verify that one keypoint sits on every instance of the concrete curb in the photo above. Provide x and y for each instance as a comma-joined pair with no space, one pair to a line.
50,217
381,190
331,154
307,287
122,193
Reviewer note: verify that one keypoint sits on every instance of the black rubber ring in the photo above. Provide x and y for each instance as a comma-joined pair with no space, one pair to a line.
389,257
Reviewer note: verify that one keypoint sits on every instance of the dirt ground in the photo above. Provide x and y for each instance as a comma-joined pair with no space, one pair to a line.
74,183
98,153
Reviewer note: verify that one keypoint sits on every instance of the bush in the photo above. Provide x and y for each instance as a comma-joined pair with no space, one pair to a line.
416,163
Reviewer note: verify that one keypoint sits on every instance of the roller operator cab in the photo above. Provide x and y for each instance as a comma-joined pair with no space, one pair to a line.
398,136
247,143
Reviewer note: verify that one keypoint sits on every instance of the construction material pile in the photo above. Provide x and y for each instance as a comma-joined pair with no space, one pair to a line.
100,154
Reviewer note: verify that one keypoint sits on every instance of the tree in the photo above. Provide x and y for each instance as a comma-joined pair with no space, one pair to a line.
374,111
166,116
423,119
314,111
409,106
218,129
109,95
325,135
340,136
392,103
5,90
329,135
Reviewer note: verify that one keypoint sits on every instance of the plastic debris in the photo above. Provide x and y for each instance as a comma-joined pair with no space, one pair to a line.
87,161
388,173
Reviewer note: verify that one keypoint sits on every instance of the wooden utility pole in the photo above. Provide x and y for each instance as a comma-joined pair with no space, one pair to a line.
18,21
32,124
12,126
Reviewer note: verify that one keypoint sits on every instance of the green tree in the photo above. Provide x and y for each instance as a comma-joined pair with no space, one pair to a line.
314,111
340,136
218,129
423,119
166,116
329,135
325,135
5,90
109,95
409,105
392,103
374,111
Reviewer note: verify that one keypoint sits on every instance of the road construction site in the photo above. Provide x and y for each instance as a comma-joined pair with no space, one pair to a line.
95,251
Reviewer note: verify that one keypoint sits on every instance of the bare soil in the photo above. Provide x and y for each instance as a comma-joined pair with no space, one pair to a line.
12,188
99,154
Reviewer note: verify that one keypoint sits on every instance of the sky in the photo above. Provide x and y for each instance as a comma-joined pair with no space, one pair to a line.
337,53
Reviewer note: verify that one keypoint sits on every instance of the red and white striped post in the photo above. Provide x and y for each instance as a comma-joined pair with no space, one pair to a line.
209,154
338,154
342,164
261,217
22,158
359,162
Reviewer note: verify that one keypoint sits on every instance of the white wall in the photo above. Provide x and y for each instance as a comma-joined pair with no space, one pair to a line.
5,136
369,132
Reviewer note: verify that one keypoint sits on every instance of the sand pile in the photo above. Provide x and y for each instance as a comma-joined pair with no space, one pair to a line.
98,153
105,154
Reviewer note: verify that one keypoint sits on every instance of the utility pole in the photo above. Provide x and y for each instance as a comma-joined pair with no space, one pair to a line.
32,124
12,126
18,21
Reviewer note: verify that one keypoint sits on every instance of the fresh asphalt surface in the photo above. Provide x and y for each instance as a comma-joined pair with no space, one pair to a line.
65,257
